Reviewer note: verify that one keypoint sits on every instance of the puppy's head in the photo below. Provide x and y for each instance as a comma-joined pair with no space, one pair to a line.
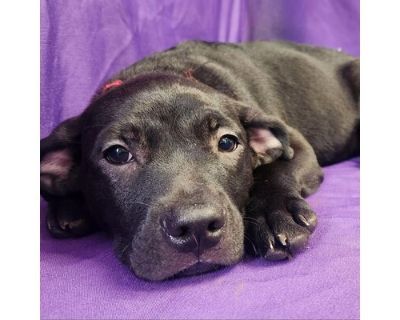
165,164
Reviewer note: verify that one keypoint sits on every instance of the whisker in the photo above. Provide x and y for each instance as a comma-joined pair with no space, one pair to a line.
250,218
254,223
252,244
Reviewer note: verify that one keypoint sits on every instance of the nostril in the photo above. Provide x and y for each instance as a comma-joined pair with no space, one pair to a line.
181,232
173,229
215,225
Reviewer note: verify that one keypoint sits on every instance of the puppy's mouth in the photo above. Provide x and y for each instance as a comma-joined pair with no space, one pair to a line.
198,268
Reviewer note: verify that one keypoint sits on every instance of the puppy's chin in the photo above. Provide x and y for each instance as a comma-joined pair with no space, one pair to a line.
198,268
183,266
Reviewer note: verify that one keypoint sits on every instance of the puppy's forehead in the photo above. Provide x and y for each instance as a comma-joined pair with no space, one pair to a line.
163,106
157,102
155,94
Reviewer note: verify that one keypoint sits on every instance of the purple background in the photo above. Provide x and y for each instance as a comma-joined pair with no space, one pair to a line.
85,42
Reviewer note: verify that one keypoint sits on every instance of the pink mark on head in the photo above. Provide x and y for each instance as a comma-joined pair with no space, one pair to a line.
188,74
111,85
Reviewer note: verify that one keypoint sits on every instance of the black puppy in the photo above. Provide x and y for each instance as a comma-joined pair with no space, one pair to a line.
196,153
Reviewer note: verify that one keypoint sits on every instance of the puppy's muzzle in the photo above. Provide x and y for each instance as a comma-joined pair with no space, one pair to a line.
193,229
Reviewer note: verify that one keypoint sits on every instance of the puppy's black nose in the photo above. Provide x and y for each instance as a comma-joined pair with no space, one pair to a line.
193,229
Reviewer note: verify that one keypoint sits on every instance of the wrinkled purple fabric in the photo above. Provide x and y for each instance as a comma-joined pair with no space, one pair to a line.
83,42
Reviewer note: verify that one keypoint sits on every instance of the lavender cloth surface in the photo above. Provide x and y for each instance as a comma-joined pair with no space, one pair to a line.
82,279
85,42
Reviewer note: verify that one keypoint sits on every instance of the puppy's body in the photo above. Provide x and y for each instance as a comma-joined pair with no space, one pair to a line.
311,89
183,203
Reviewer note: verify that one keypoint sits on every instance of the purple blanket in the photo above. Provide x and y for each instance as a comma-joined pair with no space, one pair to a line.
85,42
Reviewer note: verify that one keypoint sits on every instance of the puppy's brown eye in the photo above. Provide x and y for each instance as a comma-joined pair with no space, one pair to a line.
117,155
227,143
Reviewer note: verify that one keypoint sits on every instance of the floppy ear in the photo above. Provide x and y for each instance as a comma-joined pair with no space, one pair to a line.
59,181
59,159
267,136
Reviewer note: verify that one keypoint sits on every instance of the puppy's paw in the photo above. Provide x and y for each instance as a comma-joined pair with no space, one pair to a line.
65,228
65,220
281,232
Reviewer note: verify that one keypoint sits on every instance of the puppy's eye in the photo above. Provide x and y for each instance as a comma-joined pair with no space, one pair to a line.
227,143
117,155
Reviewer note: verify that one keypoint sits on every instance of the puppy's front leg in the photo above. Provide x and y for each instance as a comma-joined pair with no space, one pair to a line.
278,220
